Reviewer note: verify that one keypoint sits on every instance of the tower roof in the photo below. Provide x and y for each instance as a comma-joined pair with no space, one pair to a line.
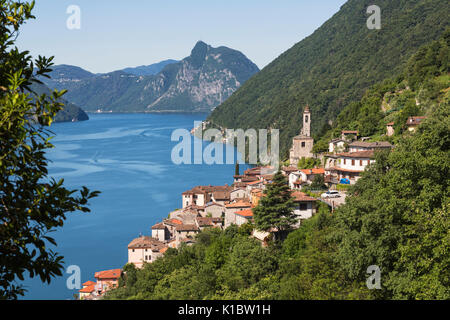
306,109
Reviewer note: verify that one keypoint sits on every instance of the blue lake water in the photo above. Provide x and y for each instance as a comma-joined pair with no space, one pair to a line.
128,158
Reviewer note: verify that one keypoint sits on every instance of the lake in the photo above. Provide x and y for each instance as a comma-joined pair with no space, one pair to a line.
128,158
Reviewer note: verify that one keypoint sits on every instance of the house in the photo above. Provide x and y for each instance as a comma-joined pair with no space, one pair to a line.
107,280
348,165
336,145
231,208
357,146
390,129
160,232
208,222
195,196
238,193
304,177
144,249
185,231
286,171
215,210
302,144
87,290
201,195
305,206
221,197
171,225
349,135
413,122
255,196
243,216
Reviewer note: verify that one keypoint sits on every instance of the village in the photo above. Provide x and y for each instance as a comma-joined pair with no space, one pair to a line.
222,206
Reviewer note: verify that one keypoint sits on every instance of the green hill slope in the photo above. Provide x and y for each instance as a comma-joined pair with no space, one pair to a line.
333,67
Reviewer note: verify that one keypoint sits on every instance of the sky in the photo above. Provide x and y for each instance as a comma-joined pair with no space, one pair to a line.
117,34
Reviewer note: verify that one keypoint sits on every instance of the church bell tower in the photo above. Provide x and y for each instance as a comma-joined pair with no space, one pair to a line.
306,122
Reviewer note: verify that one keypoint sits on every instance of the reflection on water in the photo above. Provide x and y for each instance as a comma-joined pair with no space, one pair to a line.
128,158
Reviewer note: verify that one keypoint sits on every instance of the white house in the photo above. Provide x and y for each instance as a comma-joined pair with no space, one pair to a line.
349,165
305,207
144,249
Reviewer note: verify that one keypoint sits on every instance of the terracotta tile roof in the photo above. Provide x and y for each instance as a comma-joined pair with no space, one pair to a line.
301,197
221,195
359,154
89,283
349,132
88,289
289,169
187,227
239,204
204,222
239,184
144,242
108,274
253,183
172,222
163,250
344,170
159,226
214,204
313,171
391,123
248,213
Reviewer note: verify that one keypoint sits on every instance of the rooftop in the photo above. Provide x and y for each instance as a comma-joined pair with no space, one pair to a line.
248,213
359,154
239,204
144,242
108,274
378,144
187,227
301,197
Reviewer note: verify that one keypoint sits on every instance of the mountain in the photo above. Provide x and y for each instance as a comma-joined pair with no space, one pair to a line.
198,83
333,67
70,112
65,75
149,70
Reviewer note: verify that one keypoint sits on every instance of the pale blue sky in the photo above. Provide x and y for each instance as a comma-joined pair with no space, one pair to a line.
118,34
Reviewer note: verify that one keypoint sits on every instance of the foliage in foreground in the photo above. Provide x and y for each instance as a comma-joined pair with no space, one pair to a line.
31,204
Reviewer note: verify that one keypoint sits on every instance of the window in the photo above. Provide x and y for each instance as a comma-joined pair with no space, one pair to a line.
344,161
306,119
303,207
146,257
132,250
303,144
353,162
361,163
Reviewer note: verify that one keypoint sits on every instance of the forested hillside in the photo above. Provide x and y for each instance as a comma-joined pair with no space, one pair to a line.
333,67
421,86
396,217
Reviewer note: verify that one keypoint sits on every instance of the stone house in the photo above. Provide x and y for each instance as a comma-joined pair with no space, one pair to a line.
232,208
144,249
215,210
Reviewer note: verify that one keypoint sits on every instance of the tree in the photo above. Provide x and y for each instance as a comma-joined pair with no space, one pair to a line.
275,209
31,203
397,216
236,169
